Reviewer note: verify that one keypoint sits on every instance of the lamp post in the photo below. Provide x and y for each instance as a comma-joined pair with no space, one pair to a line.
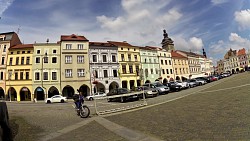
45,56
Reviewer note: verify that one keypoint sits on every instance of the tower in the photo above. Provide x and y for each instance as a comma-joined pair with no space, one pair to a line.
167,43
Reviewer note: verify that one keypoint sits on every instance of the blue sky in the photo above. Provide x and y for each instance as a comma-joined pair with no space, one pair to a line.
215,25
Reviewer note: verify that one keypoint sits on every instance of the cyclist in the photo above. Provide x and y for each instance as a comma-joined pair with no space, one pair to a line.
79,99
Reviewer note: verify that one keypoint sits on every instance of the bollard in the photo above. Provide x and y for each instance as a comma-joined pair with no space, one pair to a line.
4,123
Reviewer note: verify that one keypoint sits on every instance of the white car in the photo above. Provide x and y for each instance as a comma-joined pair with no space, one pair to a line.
96,95
183,84
56,98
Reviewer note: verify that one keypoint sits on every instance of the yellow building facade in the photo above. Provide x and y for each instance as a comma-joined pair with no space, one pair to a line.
130,66
19,72
180,65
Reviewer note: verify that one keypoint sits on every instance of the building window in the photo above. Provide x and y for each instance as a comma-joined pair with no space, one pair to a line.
145,60
115,73
96,74
80,46
121,48
45,59
3,58
122,56
162,62
23,52
37,60
166,62
176,71
18,52
54,51
146,72
129,57
68,72
167,71
113,58
94,58
130,69
68,59
149,60
137,70
54,76
27,75
105,73
68,46
22,61
124,69
54,59
38,51
163,71
152,71
4,48
155,61
27,60
16,75
45,76
1,76
37,76
156,71
104,58
80,59
135,57
21,75
80,72
11,59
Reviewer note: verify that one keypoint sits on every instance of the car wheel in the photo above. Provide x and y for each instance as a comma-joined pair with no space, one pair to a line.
62,101
48,101
91,98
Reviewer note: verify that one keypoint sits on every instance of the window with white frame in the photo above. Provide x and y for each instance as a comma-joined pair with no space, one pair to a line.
1,76
105,72
104,58
45,76
4,48
54,76
68,46
68,72
94,57
37,76
37,60
80,59
68,59
113,58
80,46
80,72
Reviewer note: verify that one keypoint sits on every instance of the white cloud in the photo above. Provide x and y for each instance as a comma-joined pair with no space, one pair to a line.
193,44
4,4
243,18
217,2
143,19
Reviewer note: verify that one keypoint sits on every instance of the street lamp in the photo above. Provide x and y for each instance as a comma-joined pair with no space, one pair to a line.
43,60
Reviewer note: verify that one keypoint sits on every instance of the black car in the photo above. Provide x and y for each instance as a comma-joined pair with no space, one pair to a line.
120,91
174,87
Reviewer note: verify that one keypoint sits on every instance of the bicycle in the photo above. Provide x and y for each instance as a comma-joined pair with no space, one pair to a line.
83,111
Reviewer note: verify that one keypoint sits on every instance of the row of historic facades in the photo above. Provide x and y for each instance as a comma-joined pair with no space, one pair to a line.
234,61
41,70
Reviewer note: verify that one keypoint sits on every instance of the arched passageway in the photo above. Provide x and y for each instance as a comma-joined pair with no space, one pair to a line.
2,95
12,94
68,91
39,93
113,85
25,94
53,91
85,90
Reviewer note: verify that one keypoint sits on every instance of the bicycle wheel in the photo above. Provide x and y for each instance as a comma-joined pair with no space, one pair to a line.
84,113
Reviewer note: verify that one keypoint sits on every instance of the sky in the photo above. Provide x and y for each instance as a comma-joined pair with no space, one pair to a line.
215,25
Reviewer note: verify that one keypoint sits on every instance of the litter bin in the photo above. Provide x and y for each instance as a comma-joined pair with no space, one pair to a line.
5,133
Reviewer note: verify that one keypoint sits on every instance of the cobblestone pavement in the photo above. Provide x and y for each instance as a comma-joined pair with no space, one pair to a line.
216,111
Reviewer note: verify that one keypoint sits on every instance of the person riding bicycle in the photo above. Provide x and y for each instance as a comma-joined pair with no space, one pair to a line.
78,99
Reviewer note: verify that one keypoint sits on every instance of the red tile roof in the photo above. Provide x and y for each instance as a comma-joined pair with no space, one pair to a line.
242,52
177,55
21,46
73,37
101,44
153,48
119,43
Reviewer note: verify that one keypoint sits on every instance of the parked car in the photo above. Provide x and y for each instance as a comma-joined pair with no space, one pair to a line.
96,95
56,98
207,79
191,83
159,86
149,92
183,84
120,91
174,86
200,81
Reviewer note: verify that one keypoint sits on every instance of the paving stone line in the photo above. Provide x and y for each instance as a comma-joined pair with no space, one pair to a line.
124,132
